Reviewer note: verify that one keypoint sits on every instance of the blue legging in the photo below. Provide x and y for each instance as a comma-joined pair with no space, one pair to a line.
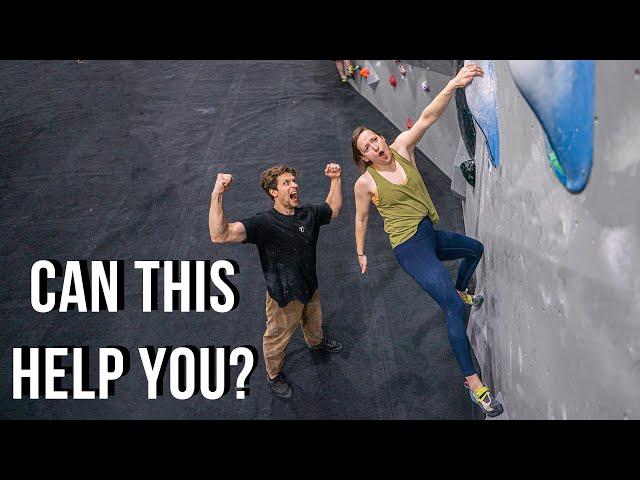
420,257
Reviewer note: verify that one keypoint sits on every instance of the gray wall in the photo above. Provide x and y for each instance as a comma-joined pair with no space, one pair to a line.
558,336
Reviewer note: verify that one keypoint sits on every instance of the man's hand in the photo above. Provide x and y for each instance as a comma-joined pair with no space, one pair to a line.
362,260
466,74
222,183
332,170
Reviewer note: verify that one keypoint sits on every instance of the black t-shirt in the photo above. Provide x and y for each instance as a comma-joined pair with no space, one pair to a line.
287,247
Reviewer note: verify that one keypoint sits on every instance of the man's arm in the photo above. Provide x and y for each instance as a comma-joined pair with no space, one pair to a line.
363,196
220,229
411,137
334,198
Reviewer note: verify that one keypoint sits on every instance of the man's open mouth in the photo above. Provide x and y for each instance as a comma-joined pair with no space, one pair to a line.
294,197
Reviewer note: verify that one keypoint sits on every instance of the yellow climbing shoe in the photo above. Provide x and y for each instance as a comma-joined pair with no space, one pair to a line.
485,400
473,300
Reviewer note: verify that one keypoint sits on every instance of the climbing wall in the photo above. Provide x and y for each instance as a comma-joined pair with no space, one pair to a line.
559,333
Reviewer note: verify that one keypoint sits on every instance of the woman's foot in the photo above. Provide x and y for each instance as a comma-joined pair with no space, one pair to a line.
474,300
483,397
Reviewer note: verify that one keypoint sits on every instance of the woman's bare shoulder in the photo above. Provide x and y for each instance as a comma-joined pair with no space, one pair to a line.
364,183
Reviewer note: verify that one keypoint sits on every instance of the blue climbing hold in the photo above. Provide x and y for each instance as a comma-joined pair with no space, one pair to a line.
481,98
561,94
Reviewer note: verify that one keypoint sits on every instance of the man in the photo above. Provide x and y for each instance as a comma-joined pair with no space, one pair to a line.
286,237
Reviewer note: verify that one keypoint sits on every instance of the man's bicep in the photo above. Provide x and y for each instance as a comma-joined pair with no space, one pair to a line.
237,233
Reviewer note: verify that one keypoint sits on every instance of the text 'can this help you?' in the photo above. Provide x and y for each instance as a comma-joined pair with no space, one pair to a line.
64,372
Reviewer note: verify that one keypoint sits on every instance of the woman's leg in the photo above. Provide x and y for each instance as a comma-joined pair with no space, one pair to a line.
417,256
420,257
451,246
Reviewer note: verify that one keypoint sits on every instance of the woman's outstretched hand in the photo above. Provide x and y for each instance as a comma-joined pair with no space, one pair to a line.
466,75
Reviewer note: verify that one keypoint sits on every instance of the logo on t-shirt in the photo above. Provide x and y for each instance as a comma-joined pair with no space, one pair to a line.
301,228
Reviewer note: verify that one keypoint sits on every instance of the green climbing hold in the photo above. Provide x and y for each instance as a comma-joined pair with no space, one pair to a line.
556,167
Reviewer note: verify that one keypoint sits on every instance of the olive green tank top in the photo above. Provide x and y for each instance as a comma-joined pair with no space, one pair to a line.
402,207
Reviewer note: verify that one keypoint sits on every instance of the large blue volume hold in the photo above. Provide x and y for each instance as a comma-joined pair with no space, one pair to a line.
561,93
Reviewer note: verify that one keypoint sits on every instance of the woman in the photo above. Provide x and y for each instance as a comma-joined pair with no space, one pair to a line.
392,182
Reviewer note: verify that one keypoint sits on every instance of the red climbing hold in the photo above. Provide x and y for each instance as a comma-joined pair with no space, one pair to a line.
409,123
364,73
393,81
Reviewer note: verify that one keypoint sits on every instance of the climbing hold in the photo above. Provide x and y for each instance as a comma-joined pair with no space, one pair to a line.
369,74
561,94
469,171
373,78
483,104
403,71
425,86
555,165
393,81
409,123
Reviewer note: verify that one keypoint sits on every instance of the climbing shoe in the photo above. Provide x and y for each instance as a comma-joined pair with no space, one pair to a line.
352,69
473,300
484,398
279,386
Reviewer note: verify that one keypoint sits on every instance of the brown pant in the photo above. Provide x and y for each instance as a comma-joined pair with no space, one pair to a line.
282,324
